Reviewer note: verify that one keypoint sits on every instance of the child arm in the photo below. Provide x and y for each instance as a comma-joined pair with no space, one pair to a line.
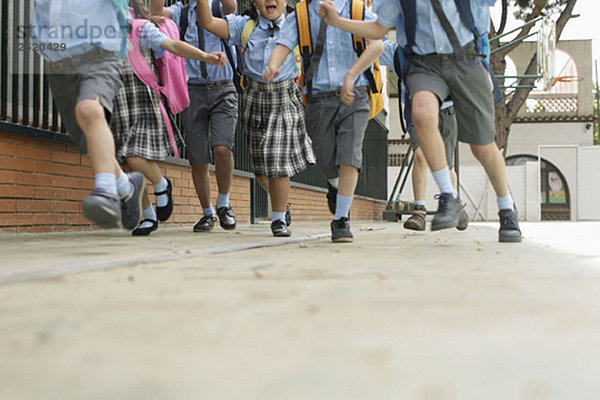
157,7
216,26
366,29
368,57
182,49
278,56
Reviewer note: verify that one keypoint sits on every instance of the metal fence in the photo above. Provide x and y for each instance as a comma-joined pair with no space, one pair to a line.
27,108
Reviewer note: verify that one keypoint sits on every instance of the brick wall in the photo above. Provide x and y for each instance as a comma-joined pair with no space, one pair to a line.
42,185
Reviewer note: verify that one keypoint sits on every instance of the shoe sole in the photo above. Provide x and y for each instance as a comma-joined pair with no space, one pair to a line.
203,230
342,240
282,235
447,225
510,239
140,198
462,225
228,228
101,215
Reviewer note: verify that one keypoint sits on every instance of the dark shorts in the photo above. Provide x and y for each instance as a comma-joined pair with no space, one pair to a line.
337,131
210,120
467,81
92,76
449,131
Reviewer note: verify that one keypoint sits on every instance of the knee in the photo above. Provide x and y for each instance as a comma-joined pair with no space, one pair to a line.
485,152
424,114
221,152
89,111
135,163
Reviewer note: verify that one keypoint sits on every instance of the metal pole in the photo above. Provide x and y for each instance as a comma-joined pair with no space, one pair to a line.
532,22
597,105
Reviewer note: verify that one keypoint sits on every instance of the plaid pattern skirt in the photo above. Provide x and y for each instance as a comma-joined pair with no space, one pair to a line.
137,122
273,120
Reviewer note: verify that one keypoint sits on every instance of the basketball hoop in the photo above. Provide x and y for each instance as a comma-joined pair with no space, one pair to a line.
567,79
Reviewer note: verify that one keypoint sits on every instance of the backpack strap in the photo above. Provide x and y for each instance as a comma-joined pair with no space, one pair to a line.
357,12
304,39
398,69
247,32
122,18
184,22
409,8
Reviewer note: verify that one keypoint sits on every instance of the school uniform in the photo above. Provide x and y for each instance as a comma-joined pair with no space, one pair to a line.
138,126
89,68
447,118
272,113
211,118
434,67
336,130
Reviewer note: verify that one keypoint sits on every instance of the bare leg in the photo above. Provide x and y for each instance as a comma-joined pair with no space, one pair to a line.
101,146
263,181
492,161
425,115
419,175
348,180
201,178
279,191
149,168
223,168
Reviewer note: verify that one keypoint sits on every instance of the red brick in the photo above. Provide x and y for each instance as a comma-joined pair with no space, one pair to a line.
85,161
33,179
35,229
16,191
49,193
78,219
16,164
8,149
17,219
50,168
66,158
33,206
8,177
49,219
35,153
8,205
86,184
75,194
64,182
65,206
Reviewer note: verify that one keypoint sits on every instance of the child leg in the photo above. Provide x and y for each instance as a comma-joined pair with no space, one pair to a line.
279,190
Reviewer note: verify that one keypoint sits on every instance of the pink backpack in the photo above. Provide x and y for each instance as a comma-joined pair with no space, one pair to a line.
171,70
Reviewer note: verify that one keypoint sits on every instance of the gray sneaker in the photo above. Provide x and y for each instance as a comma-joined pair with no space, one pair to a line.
340,231
448,212
509,226
131,206
102,207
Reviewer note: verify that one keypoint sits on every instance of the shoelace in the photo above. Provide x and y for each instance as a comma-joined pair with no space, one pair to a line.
508,221
443,202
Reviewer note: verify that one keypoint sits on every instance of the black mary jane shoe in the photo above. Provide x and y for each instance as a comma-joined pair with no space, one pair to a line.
164,213
145,231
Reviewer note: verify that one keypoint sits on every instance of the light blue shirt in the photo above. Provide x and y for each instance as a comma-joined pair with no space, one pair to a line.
430,36
212,43
259,48
338,53
152,38
387,59
80,25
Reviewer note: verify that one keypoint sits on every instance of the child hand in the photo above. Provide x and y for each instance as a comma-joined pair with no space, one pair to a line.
328,12
217,58
347,91
271,73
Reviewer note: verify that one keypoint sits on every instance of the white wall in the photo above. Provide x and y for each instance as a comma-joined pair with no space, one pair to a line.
589,183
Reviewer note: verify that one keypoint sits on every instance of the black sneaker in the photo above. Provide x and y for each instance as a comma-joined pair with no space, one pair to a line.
131,206
449,209
340,231
103,208
509,226
164,213
280,229
145,231
288,215
463,219
226,218
416,222
205,224
331,197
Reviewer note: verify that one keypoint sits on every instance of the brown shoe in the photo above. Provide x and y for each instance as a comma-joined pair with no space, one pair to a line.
463,220
416,222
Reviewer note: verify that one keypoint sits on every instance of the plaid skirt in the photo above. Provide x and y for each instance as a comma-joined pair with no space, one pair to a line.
273,120
137,122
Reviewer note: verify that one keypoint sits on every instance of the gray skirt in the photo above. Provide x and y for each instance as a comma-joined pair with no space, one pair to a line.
273,120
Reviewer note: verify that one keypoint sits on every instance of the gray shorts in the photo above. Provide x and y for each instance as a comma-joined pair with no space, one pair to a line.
447,125
467,81
210,120
337,131
92,76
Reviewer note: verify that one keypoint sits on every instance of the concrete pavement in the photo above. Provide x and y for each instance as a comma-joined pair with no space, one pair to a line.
396,315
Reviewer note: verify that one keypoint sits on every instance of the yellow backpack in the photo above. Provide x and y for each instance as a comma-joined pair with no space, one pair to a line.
373,75
245,37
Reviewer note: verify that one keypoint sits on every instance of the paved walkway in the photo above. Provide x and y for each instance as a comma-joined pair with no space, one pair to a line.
238,315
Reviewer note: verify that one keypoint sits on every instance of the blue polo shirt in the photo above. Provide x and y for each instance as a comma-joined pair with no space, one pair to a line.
212,43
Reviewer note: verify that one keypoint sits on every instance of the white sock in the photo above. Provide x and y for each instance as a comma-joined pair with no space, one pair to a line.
148,213
222,200
106,181
163,199
420,203
505,203
208,210
123,186
342,207
442,178
278,216
334,182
